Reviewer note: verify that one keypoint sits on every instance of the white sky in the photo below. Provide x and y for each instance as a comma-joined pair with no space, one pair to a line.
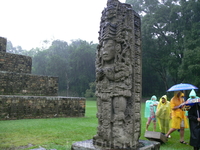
29,22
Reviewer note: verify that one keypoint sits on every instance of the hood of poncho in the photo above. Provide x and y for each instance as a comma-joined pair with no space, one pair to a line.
154,98
192,93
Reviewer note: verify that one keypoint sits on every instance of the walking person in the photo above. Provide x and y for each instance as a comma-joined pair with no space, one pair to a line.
150,109
163,114
179,119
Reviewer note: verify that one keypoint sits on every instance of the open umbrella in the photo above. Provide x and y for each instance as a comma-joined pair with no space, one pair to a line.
192,101
187,104
182,86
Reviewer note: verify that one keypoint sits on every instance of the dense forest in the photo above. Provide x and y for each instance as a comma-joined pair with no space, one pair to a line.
170,45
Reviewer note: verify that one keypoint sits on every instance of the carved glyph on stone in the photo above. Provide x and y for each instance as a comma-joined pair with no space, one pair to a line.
118,77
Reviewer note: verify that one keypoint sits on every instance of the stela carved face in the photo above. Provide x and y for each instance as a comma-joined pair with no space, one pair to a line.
108,50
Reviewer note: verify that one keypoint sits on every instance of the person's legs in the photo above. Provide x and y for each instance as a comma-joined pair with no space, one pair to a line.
175,122
148,123
182,127
167,126
170,131
154,125
182,134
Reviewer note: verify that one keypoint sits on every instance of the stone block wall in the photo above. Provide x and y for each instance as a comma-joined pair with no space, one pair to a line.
27,84
16,77
3,42
15,63
27,107
16,80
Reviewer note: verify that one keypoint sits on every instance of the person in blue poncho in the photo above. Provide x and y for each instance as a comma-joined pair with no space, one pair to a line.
150,110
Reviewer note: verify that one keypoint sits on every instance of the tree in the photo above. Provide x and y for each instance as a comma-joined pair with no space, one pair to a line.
73,64
53,62
14,50
190,68
91,91
82,66
166,25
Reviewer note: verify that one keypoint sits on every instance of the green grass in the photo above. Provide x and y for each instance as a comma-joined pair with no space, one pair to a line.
172,143
60,133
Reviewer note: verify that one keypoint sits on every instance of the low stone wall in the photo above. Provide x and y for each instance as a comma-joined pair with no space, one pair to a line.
27,84
26,107
15,63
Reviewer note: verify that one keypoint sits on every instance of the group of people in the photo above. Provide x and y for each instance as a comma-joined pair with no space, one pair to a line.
171,117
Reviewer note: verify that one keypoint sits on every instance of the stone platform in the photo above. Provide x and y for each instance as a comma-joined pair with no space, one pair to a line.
34,107
88,145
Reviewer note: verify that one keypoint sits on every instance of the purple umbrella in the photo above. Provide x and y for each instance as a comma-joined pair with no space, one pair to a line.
182,86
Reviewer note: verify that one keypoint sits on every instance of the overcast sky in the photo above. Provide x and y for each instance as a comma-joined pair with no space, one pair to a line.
29,22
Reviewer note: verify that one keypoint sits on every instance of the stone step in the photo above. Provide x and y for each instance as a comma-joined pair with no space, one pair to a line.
15,63
27,84
155,136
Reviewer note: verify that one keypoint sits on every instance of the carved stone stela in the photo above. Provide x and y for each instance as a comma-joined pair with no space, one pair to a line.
118,77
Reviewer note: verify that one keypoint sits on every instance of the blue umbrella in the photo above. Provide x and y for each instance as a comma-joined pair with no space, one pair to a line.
182,86
190,102
186,105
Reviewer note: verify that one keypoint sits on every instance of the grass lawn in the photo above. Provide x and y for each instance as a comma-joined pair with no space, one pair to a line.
60,133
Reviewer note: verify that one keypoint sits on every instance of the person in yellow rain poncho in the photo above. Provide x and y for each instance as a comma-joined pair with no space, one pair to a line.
150,109
179,120
163,114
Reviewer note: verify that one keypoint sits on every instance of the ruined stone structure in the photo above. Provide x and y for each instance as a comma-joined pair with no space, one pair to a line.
15,63
118,77
24,95
16,77
32,107
3,43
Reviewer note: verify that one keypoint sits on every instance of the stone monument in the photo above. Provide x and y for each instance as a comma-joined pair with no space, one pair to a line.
118,82
118,77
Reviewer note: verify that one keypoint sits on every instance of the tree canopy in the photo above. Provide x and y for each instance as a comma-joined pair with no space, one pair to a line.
170,42
170,45
73,63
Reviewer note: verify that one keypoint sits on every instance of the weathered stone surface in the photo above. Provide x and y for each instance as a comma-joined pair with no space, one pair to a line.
15,63
88,145
155,136
118,77
26,107
27,84
15,79
3,42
